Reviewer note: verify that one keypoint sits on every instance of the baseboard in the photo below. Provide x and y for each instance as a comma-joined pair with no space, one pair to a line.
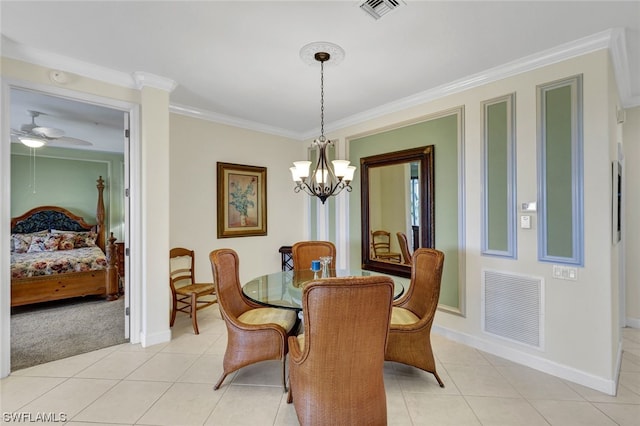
538,363
633,322
155,338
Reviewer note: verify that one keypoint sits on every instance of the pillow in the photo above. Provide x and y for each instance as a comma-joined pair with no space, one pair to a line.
67,241
81,238
22,242
48,242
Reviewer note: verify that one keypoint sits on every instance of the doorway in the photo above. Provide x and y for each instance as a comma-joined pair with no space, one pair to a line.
85,137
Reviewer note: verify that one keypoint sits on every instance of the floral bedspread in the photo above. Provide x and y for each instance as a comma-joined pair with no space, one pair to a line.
25,265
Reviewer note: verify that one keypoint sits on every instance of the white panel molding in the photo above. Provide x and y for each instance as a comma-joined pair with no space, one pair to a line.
601,384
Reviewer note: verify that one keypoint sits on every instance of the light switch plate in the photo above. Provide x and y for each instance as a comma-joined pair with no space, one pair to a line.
565,272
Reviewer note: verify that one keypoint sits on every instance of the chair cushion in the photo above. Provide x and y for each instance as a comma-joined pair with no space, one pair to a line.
286,318
196,288
300,340
402,316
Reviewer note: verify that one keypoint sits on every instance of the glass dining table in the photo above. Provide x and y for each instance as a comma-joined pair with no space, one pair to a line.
283,289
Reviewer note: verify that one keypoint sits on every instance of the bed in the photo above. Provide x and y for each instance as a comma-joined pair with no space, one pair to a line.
56,255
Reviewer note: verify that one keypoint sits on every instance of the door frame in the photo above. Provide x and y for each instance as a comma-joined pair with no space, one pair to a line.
133,230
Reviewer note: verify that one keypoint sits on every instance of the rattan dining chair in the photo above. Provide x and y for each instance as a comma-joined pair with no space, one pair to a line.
404,247
254,333
336,366
413,314
187,295
303,252
381,243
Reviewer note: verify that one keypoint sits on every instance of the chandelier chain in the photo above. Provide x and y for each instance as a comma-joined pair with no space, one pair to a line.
322,101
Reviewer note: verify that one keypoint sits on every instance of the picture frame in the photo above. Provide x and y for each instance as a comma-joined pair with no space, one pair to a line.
241,200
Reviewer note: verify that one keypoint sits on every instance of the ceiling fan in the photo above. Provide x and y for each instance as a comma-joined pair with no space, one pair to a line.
35,136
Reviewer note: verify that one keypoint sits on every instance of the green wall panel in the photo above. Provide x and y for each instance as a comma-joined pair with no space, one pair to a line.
441,132
559,201
497,178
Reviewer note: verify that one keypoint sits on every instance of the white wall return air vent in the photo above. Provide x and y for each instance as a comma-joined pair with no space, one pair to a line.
513,307
378,8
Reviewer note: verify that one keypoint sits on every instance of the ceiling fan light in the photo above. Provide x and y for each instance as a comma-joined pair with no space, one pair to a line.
32,142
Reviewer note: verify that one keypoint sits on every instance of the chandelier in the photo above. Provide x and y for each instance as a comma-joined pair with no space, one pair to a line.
324,181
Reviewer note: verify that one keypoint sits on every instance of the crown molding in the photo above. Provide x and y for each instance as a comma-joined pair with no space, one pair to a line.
618,52
145,79
613,39
13,50
233,121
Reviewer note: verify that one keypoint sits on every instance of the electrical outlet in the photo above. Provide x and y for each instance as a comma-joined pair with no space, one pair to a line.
565,272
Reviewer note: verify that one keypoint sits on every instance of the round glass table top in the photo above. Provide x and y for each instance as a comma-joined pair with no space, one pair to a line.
283,289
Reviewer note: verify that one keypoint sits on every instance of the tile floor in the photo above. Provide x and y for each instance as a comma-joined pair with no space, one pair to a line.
171,384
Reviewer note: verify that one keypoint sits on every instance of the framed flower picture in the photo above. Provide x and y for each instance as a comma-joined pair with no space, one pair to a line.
242,200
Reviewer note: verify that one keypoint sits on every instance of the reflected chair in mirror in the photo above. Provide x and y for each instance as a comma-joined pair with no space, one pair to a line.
413,314
336,378
404,248
254,333
381,243
187,295
304,252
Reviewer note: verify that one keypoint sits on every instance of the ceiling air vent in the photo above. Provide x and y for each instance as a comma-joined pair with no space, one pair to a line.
378,8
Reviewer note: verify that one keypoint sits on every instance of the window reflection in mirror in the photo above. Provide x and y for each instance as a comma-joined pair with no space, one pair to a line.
397,197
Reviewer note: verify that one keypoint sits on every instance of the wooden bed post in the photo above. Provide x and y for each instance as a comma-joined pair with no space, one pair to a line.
100,216
112,271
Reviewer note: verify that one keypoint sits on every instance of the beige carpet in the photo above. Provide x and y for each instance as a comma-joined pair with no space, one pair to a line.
54,330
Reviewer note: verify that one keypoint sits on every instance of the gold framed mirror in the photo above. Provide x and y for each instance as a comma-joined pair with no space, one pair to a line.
397,197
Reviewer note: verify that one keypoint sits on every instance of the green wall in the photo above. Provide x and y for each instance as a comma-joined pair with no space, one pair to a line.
497,170
559,173
441,132
67,178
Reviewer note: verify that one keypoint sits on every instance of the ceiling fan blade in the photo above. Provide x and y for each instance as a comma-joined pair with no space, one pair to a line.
66,140
48,132
15,132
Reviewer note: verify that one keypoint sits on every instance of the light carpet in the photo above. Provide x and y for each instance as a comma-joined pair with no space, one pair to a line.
49,331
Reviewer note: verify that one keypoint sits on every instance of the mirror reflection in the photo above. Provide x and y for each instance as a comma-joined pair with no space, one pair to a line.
397,211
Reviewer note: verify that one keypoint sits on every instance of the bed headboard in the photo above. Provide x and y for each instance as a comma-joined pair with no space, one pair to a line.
45,218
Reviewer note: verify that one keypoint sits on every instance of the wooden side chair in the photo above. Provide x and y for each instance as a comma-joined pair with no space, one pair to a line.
254,333
303,252
188,296
404,247
381,242
336,378
413,314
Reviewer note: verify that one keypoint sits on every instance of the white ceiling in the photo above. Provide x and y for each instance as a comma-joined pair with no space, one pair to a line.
240,60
